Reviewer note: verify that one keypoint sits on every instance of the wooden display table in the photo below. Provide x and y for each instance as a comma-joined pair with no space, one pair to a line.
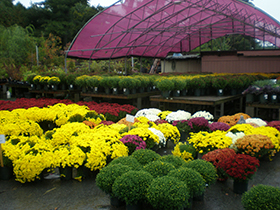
138,96
74,94
267,111
218,102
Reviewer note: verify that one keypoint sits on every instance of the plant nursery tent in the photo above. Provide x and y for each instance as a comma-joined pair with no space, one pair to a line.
154,28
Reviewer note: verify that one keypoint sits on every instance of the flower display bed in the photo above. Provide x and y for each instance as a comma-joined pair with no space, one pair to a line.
68,140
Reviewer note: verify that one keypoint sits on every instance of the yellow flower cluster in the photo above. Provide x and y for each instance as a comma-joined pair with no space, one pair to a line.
169,131
163,114
205,142
187,156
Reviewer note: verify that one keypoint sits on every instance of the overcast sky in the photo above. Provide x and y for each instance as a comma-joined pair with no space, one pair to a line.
272,7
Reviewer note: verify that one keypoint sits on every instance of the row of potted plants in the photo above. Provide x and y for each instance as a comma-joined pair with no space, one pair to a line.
177,84
263,91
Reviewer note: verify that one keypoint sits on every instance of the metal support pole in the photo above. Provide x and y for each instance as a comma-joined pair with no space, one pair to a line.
65,63
125,65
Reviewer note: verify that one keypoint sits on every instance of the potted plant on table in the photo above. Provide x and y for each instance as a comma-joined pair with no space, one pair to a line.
132,188
54,82
128,85
235,84
219,83
44,81
197,84
240,168
165,85
179,86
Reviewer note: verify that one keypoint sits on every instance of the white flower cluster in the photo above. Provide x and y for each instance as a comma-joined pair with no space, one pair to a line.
257,121
162,139
204,114
234,137
145,112
152,117
178,115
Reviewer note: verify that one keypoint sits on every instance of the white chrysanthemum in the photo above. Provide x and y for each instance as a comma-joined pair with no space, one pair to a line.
152,117
162,139
234,137
204,114
257,121
178,115
150,111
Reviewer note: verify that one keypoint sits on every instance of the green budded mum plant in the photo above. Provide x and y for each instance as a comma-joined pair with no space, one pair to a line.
235,82
132,186
174,160
81,81
205,168
197,83
127,82
110,82
191,178
53,81
158,168
179,83
127,160
145,156
261,197
219,82
165,84
107,176
168,193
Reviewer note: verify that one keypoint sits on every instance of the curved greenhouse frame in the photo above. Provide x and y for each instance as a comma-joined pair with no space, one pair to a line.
154,28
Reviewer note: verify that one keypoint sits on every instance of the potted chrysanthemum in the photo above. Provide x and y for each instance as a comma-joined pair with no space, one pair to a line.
240,168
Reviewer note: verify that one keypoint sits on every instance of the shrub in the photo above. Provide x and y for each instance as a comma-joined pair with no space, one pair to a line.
165,84
168,193
107,175
191,178
127,160
261,197
174,160
145,156
206,169
132,186
158,168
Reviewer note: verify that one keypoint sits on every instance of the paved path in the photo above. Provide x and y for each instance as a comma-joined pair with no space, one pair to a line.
85,195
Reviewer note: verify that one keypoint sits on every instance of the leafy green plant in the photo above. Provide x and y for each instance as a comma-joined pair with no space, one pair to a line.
110,82
191,178
53,81
197,83
81,81
107,176
132,186
261,197
205,168
145,156
127,160
179,83
174,160
235,82
29,77
127,82
219,82
70,78
164,84
159,168
262,83
168,193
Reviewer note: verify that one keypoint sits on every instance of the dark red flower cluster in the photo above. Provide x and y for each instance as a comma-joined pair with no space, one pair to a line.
107,122
218,155
275,124
160,121
31,102
198,124
239,166
219,126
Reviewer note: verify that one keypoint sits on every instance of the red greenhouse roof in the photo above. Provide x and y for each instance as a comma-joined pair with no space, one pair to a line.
153,28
